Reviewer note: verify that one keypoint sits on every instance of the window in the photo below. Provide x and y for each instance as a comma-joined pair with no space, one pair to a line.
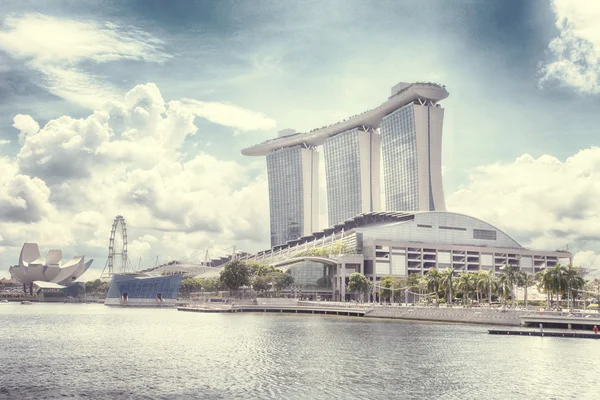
484,234
453,228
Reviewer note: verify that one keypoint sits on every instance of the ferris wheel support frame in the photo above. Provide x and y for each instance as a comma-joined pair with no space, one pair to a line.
110,262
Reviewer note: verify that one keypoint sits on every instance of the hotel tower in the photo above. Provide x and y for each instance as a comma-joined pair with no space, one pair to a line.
404,132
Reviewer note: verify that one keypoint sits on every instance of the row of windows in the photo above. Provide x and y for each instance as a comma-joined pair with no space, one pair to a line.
453,228
485,234
145,289
285,194
342,164
399,150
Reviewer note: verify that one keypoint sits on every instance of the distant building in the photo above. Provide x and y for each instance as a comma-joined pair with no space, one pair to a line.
137,290
352,170
293,174
53,292
411,126
400,244
411,143
32,268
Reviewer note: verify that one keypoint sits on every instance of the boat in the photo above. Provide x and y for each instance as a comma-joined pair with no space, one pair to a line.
3,301
26,302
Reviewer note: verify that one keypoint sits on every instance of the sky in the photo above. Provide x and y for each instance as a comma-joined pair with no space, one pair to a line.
141,109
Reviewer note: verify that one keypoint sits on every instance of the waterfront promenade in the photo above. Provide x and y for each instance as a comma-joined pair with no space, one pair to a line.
455,314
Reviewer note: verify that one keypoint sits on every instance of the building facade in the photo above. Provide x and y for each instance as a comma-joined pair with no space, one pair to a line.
411,143
412,121
400,244
33,268
140,290
352,170
293,176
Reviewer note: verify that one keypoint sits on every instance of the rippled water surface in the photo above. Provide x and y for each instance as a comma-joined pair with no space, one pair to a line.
92,351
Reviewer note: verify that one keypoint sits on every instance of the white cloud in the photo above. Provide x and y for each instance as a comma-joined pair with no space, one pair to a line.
545,203
4,141
230,115
26,126
575,53
72,177
58,47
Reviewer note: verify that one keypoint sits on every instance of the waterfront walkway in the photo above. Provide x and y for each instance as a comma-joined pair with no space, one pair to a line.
455,314
276,308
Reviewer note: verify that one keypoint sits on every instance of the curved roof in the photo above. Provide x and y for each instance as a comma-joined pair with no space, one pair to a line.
442,227
371,118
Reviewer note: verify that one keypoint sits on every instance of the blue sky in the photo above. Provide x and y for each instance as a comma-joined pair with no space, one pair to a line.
522,77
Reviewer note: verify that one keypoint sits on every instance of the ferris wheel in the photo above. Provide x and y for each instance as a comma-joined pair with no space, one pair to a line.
117,249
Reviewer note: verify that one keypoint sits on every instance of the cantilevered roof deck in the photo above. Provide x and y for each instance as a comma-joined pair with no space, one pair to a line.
371,118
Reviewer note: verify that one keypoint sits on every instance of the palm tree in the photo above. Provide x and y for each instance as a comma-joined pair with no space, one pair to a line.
596,283
527,280
447,284
572,280
486,281
544,279
422,284
465,284
434,278
511,276
504,287
558,281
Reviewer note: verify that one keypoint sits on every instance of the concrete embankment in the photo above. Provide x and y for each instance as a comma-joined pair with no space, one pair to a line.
446,314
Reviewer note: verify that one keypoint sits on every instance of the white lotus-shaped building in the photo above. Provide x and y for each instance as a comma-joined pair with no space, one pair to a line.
32,267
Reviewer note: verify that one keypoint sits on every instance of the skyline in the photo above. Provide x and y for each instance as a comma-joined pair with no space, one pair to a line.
215,79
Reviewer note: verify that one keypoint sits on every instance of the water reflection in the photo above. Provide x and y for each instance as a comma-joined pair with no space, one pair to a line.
54,350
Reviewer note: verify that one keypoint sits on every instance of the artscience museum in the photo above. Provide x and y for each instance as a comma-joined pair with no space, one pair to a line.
35,270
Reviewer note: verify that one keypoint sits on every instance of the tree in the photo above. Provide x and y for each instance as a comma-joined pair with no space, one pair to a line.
324,282
596,284
280,280
447,283
262,269
210,284
573,281
386,283
544,284
433,282
190,285
235,275
465,284
96,287
510,277
261,284
557,281
527,281
486,281
357,282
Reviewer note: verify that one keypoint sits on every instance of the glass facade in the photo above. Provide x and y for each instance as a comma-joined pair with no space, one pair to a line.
343,176
165,287
286,195
399,148
310,275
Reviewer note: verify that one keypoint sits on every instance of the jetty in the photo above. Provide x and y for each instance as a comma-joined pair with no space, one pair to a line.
542,333
562,320
268,308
